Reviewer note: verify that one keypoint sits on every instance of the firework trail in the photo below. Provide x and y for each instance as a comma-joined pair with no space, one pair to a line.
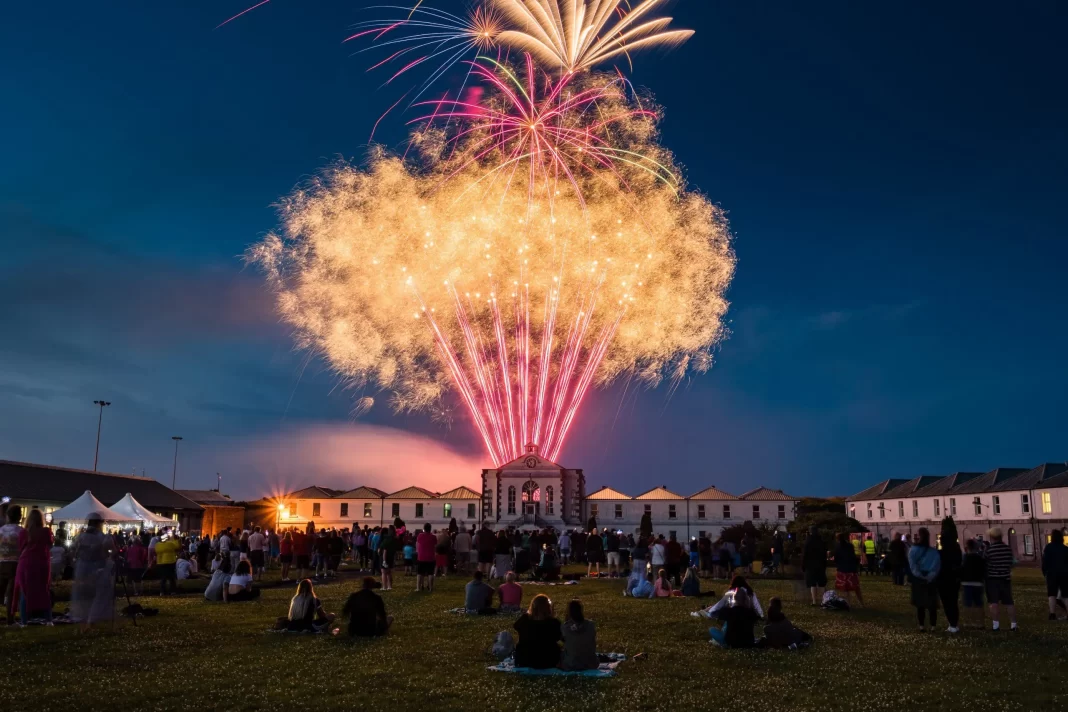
540,242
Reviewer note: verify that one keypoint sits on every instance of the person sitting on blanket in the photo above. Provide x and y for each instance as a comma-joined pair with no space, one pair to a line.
539,636
306,611
738,620
738,583
580,640
478,596
239,587
662,589
511,594
691,585
366,612
780,632
641,587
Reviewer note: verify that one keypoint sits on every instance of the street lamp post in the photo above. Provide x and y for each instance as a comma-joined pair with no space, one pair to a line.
174,474
99,421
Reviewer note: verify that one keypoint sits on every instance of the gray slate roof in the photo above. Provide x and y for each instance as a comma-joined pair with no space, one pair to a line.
27,481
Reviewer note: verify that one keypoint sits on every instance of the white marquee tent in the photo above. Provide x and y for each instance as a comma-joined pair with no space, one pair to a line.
132,510
80,509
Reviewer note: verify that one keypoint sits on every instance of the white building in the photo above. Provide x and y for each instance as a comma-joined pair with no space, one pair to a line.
534,492
1026,504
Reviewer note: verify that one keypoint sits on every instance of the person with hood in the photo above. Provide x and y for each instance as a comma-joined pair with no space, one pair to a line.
1055,569
925,563
814,565
950,559
580,640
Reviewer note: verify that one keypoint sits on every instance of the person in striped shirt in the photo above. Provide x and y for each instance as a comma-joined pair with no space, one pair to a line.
999,561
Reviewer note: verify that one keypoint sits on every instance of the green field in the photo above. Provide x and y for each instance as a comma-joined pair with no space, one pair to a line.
196,655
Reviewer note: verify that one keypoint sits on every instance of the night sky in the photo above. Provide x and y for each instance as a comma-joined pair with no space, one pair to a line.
895,175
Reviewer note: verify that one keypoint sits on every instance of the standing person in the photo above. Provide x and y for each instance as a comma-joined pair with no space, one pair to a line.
203,553
539,636
973,580
223,544
899,560
274,548
999,561
92,597
778,544
869,552
1055,569
255,553
10,535
639,557
33,578
580,640
425,544
673,554
594,553
285,554
300,552
925,563
657,555
442,553
136,563
847,578
502,557
612,548
166,562
462,545
950,560
388,546
367,612
814,565
565,548
487,550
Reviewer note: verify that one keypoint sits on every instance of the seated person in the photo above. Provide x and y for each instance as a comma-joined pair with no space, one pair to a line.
220,580
780,632
662,589
641,587
580,640
185,568
738,583
738,620
691,585
511,594
548,569
366,612
57,556
305,611
539,636
478,596
239,587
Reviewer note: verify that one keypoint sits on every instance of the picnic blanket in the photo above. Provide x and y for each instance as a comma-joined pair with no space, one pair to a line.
609,663
56,620
549,583
318,631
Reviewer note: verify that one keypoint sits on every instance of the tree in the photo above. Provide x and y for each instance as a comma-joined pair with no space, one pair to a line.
646,526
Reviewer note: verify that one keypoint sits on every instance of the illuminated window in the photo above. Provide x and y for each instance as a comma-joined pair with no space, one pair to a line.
448,510
471,513
997,504
700,511
756,511
619,511
367,511
782,511
315,509
1047,503
419,510
1025,504
915,508
726,511
672,514
549,499
511,500
344,509
394,510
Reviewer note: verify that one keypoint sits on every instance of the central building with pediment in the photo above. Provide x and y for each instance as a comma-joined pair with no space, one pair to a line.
533,491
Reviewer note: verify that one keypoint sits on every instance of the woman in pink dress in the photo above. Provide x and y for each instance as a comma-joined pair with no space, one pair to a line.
33,579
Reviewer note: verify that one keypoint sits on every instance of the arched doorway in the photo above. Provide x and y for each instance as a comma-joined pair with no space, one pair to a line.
531,500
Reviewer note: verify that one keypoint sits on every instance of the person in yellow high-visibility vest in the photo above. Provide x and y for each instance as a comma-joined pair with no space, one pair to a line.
869,553
858,546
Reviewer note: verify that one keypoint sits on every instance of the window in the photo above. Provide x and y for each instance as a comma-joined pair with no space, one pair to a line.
471,510
701,534
315,509
549,500
938,507
869,510
1025,504
1047,503
673,534
900,508
368,512
344,509
978,504
619,511
882,510
997,504
448,510
915,508
782,511
700,511
1029,545
952,506
511,500
394,510
756,512
672,514
649,509
292,509
853,511
419,510
726,511
489,509
593,511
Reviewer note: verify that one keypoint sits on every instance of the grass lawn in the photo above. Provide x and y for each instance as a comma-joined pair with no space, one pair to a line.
196,655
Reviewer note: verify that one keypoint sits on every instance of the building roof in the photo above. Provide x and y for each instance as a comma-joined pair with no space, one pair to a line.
27,481
876,491
764,494
211,498
661,492
1040,476
460,492
362,492
909,487
712,492
945,484
413,492
987,481
608,493
314,492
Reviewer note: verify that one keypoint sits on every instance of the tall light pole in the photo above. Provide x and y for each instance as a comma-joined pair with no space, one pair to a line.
174,475
99,421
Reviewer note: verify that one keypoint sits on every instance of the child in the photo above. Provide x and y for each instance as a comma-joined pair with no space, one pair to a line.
972,578
409,557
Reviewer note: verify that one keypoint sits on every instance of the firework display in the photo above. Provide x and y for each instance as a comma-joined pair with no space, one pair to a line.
538,241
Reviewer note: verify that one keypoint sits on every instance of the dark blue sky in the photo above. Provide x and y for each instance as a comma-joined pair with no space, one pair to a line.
895,175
